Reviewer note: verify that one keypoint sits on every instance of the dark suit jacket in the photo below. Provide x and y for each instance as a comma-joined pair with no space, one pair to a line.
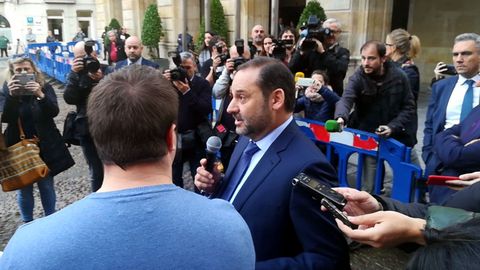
145,62
435,120
454,146
289,231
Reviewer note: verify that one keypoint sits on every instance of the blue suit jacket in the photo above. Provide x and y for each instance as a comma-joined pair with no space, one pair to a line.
435,120
145,62
456,146
289,231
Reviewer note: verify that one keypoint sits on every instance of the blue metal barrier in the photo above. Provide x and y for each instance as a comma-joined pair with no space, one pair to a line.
351,141
54,59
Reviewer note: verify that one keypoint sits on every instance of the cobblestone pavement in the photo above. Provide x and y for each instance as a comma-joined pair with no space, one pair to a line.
73,185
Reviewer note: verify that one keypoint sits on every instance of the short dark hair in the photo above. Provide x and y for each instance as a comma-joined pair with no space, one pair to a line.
273,74
129,114
323,73
455,247
381,49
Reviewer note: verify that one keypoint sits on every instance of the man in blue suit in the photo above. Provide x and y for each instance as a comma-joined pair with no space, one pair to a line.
289,231
446,106
134,49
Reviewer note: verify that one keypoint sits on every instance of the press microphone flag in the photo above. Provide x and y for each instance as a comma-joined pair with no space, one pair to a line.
333,126
299,75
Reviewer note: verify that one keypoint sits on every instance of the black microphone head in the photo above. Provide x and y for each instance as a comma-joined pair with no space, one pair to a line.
214,144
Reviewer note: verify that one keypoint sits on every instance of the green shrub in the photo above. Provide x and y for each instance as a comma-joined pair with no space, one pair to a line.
152,29
218,23
312,8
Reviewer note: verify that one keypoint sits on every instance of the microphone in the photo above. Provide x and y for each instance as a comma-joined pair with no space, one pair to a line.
299,75
333,126
214,144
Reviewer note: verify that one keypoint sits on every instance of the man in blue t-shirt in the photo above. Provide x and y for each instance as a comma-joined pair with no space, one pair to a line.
138,219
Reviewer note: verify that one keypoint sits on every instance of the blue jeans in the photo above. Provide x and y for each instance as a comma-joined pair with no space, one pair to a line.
47,195
95,166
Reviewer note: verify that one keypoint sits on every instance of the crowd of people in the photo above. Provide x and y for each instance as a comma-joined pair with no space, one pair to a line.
138,126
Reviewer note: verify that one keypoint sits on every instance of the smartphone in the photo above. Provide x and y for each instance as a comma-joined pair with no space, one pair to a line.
337,213
23,79
450,70
319,190
305,82
439,180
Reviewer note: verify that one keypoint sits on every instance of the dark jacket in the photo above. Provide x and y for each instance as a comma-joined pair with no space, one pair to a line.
195,105
334,61
121,55
386,102
319,111
37,120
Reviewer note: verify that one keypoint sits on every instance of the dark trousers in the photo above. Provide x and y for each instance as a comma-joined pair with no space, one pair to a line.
4,50
95,165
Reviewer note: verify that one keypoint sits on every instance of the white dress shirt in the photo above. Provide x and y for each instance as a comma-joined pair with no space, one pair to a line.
454,106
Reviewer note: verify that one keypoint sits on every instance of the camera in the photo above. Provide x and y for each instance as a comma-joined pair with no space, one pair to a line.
237,61
90,64
223,56
240,47
314,31
280,48
178,73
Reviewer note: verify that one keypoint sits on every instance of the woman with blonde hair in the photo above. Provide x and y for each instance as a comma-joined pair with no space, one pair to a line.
32,104
402,48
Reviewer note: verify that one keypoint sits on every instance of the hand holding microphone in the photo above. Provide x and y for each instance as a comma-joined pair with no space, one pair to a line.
207,176
334,125
214,144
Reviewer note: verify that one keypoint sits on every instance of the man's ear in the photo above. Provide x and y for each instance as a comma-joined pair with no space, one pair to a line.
172,138
277,98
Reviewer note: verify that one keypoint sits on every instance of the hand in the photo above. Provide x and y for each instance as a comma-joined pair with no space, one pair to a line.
312,93
216,62
341,122
35,88
77,65
183,87
358,202
167,74
439,69
97,76
320,48
385,228
230,65
466,179
13,85
204,180
383,130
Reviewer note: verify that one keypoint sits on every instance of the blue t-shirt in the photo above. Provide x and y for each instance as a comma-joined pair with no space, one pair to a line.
156,227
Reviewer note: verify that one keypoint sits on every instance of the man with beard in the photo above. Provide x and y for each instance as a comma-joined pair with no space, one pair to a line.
384,103
134,49
289,231
257,36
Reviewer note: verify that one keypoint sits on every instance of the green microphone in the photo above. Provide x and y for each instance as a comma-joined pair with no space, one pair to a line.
333,126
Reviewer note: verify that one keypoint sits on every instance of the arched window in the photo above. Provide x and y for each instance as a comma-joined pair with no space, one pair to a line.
4,22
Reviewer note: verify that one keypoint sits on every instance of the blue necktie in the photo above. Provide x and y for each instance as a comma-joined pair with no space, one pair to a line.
240,170
467,104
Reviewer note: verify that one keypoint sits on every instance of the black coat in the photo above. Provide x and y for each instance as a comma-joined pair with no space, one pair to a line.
386,102
37,120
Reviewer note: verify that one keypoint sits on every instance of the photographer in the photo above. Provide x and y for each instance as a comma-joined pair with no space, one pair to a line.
213,67
85,74
225,124
319,49
195,105
32,103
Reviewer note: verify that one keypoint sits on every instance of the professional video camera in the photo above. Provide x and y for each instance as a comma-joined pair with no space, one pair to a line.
280,48
314,31
90,64
178,73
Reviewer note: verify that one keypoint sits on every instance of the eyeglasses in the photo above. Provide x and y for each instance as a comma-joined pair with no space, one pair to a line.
267,43
389,45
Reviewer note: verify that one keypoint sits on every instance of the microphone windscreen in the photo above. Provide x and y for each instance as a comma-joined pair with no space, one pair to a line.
299,75
214,144
332,126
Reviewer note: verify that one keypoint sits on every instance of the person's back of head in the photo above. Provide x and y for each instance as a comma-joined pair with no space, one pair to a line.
456,247
130,114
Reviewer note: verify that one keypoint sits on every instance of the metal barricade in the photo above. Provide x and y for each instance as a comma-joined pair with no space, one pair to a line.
351,141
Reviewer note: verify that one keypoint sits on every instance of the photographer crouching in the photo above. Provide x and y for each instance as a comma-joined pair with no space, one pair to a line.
86,73
193,127
319,49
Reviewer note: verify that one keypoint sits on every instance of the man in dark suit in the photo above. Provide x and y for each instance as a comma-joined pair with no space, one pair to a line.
446,107
289,231
133,50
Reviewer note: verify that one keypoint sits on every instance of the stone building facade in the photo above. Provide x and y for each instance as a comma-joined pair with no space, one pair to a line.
436,23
